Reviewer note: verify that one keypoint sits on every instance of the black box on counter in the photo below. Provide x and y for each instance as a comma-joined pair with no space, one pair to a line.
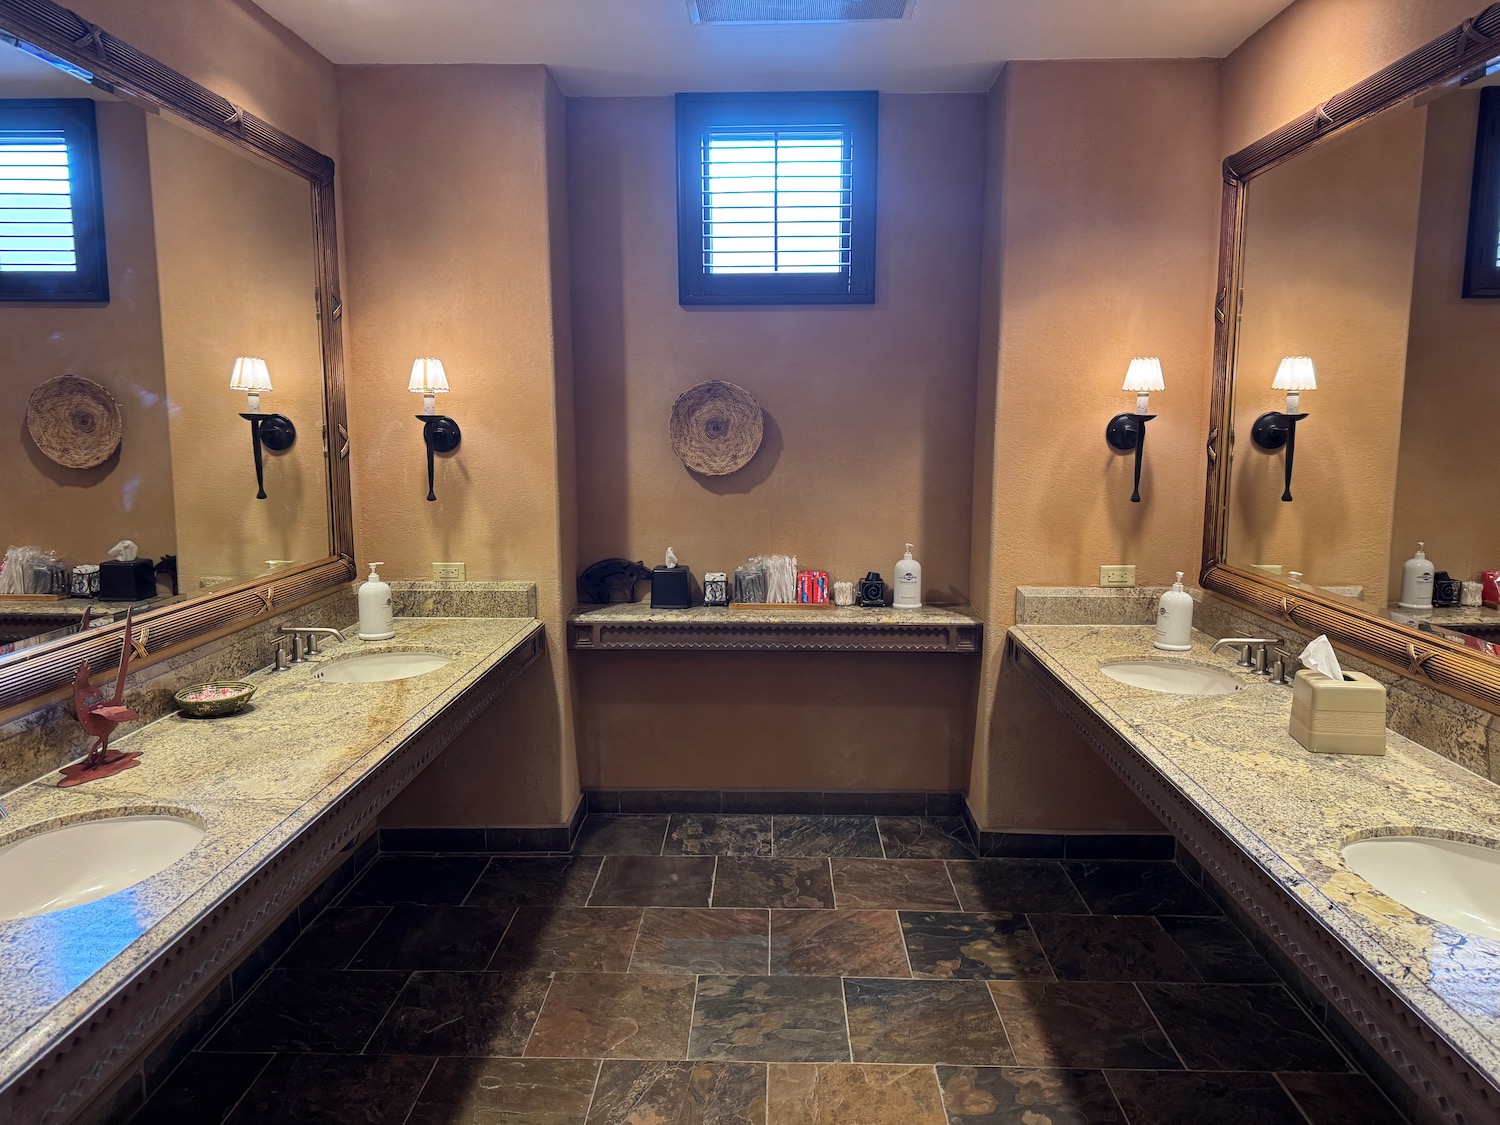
131,581
671,588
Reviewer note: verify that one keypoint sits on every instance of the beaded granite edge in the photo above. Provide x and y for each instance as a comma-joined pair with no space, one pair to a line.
641,613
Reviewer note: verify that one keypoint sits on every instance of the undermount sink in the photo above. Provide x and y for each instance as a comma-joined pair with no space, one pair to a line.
1446,880
378,667
1171,678
81,862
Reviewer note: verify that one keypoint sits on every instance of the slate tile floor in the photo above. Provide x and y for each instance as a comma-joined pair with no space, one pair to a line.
769,970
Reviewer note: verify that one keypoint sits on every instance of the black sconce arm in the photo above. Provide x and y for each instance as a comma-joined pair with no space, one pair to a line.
1124,433
276,433
441,435
1271,431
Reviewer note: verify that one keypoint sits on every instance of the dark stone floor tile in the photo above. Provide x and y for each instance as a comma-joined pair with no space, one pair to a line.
1217,949
492,1091
202,1090
701,940
536,881
615,1016
826,836
435,937
924,1021
718,834
317,1089
1110,947
837,943
621,835
769,1019
426,880
333,938
310,1010
462,1014
1340,1099
925,837
948,946
1241,1027
1081,1025
1163,1098
1017,886
853,1094
1137,887
1017,1095
792,883
654,881
892,884
583,939
684,1093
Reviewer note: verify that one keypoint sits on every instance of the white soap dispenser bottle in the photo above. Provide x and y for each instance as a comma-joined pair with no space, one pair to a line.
1174,619
908,583
1416,581
376,621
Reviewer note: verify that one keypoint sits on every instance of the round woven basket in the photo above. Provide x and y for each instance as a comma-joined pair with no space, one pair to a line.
74,421
715,428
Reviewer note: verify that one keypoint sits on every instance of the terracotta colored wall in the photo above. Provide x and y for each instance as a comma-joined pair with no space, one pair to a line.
452,188
1449,457
84,512
869,437
1101,232
1327,272
237,263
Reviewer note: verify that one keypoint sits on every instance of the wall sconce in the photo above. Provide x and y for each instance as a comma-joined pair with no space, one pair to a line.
274,431
1128,431
1273,429
439,432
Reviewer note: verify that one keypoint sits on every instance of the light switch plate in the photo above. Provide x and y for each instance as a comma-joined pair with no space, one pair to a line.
1117,576
448,572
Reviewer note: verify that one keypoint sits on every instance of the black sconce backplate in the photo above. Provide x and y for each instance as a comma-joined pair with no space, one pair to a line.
276,433
1124,433
1272,431
441,435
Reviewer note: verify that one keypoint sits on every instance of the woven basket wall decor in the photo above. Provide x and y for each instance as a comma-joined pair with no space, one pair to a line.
74,421
715,428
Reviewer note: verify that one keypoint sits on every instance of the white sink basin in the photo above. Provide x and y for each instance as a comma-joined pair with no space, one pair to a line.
1172,678
82,862
1451,882
379,667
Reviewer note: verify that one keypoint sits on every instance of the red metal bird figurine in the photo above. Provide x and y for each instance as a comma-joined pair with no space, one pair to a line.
99,717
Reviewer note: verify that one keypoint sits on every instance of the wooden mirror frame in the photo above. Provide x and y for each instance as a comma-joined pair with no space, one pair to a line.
46,672
1446,665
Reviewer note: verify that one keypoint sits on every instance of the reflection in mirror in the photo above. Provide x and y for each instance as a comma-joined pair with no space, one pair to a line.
1353,255
122,421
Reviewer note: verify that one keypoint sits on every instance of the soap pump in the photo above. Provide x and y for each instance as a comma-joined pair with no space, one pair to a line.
376,621
908,583
1416,581
1174,619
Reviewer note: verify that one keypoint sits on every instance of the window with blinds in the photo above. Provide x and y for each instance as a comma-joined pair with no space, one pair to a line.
51,226
776,198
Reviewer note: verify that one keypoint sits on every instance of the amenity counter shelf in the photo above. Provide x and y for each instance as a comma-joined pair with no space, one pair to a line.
636,626
1268,821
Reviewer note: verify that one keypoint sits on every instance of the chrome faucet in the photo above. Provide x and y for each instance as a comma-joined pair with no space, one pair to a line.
305,640
1253,651
3,814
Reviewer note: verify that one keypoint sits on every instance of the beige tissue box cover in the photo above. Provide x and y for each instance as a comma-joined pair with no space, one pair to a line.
1329,717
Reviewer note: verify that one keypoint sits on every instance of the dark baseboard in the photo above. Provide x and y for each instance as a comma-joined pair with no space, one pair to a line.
799,802
1068,845
557,838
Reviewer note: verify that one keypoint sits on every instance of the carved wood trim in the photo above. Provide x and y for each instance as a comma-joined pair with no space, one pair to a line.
33,677
81,1063
1451,1087
955,637
1454,669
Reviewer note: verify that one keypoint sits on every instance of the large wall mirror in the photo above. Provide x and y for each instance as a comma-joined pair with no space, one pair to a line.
1358,380
168,331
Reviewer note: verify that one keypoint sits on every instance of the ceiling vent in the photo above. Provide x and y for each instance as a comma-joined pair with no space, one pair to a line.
798,11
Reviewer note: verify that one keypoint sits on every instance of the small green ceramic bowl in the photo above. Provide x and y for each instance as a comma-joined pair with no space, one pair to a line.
211,700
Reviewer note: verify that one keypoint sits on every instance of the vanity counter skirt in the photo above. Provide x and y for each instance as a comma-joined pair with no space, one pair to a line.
636,626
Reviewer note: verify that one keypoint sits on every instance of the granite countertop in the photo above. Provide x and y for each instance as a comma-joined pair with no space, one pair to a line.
641,613
1453,617
1292,811
62,607
254,781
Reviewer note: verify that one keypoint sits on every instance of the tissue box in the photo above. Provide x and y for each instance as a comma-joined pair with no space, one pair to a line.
1329,717
131,581
671,587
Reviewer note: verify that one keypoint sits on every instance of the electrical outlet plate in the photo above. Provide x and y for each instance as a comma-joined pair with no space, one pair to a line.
448,572
1114,577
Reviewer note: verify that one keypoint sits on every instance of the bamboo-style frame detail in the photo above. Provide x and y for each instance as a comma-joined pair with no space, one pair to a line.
1445,665
44,673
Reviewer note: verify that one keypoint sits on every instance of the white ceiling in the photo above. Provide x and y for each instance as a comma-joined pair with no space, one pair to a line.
637,47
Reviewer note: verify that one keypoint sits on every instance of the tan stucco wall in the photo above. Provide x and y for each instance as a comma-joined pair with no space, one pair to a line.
869,433
452,204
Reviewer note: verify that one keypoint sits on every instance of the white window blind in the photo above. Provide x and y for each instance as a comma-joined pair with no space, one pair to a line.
36,203
776,200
